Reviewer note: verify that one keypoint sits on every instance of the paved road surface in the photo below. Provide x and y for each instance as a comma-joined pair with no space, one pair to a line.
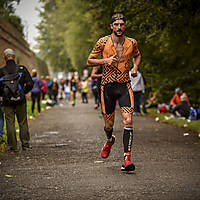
65,162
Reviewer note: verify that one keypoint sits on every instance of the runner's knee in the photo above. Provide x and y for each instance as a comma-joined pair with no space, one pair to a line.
127,121
109,124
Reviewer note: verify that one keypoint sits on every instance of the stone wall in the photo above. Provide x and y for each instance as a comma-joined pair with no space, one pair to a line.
11,38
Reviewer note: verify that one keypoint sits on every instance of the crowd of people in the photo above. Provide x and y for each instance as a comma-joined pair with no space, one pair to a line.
59,90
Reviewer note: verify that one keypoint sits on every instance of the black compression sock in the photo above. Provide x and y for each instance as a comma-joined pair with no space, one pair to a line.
108,133
128,138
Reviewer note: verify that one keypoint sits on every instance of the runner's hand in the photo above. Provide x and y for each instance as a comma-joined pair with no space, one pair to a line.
113,59
133,72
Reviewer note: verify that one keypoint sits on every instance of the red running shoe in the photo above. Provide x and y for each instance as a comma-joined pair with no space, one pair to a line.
107,147
127,165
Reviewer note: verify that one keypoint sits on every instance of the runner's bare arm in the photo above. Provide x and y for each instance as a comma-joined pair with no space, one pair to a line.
136,62
94,61
136,58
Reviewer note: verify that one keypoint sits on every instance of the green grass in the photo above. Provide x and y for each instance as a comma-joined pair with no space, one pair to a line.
193,125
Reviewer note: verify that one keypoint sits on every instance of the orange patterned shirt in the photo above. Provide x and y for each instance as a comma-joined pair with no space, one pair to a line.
119,72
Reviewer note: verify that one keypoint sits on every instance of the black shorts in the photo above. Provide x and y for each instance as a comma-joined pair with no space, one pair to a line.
112,92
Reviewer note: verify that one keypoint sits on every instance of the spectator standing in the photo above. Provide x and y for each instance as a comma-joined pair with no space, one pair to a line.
137,85
97,74
16,105
36,91
61,89
44,87
85,89
1,126
67,90
95,93
49,86
55,88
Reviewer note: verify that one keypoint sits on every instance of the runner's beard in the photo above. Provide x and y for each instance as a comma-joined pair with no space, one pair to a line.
118,35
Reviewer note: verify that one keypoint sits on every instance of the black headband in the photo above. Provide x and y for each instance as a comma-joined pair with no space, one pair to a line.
118,18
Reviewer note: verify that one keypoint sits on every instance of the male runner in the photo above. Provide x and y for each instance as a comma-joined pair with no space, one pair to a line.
115,51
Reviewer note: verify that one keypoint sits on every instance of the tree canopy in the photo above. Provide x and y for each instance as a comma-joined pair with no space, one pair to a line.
167,32
7,11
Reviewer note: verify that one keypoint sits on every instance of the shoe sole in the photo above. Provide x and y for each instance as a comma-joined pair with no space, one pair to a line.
128,168
113,142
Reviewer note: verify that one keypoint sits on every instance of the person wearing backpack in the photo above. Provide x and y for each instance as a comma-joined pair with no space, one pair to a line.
15,83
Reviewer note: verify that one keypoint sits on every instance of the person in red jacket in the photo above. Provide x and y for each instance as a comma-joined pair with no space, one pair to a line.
177,98
44,87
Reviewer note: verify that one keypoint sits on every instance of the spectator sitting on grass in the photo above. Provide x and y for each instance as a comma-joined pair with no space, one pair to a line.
182,108
152,100
177,98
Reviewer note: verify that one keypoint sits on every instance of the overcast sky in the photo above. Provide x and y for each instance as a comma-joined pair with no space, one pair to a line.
26,10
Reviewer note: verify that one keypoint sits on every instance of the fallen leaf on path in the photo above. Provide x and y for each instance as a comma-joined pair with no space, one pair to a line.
53,132
98,161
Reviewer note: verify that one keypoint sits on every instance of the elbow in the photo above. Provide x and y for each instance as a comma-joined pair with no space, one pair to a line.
138,56
88,62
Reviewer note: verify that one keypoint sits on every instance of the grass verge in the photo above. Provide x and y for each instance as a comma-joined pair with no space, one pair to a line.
193,125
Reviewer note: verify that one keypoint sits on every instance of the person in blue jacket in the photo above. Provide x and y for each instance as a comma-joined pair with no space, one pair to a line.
36,91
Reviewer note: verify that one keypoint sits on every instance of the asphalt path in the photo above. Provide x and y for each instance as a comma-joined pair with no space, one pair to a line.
65,161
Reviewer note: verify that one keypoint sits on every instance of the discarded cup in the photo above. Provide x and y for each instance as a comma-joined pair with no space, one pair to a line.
157,119
166,118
